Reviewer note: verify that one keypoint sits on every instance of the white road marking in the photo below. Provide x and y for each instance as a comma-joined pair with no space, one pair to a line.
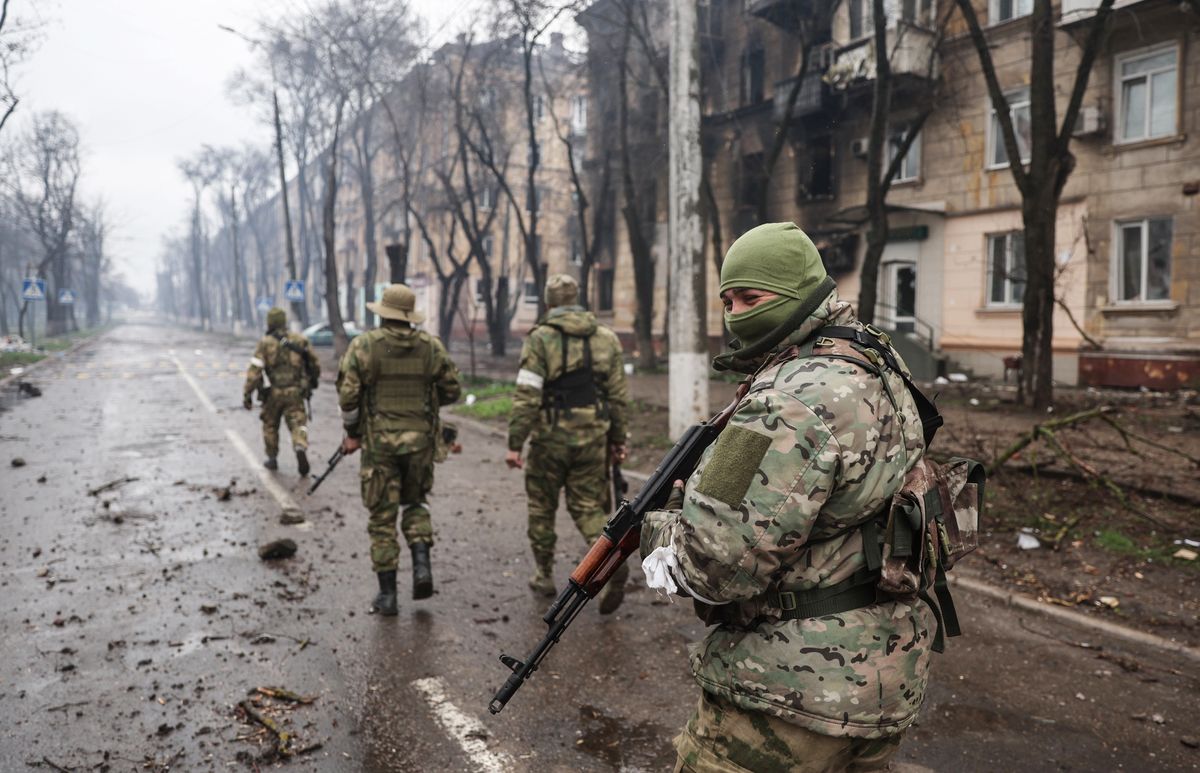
277,492
470,733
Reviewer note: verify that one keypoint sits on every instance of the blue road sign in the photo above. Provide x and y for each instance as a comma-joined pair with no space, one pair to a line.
293,289
66,297
264,304
33,290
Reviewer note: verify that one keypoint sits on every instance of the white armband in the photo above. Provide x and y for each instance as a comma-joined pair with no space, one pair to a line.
662,573
530,379
256,362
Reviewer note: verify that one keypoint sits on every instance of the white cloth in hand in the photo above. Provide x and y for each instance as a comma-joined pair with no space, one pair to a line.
658,566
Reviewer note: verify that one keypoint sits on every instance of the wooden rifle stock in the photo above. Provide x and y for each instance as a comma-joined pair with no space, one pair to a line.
619,540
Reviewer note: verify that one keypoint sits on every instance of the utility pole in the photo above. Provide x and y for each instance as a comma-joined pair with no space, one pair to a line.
687,318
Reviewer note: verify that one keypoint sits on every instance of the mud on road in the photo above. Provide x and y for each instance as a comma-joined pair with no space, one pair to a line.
136,618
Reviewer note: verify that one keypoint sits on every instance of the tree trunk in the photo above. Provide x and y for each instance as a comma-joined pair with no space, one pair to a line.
367,184
197,269
877,229
299,308
1037,313
329,233
397,255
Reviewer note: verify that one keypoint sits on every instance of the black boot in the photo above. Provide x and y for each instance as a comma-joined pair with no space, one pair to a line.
422,572
271,464
302,462
385,602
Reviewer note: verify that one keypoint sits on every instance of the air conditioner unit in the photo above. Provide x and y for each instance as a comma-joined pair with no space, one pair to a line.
858,147
1089,122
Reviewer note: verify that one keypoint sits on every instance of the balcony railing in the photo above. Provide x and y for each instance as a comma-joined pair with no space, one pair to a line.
813,96
782,13
1075,11
912,50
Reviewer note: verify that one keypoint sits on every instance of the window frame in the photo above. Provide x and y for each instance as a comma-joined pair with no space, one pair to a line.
897,134
1118,93
989,268
994,12
1116,266
995,138
579,114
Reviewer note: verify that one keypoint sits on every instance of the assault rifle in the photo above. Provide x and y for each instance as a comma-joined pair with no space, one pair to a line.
333,462
619,540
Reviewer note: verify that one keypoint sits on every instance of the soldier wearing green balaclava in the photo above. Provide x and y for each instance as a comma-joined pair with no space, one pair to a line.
284,371
803,667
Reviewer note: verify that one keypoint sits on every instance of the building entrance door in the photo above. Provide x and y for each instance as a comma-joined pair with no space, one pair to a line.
900,296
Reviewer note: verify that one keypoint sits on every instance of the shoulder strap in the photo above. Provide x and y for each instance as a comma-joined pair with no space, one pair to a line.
870,340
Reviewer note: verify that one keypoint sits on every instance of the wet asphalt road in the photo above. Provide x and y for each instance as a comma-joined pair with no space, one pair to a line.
133,621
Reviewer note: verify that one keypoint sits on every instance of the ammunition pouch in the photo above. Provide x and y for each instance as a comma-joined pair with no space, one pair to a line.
573,389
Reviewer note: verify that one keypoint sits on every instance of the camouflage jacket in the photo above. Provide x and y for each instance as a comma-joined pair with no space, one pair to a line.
354,385
815,448
542,362
291,368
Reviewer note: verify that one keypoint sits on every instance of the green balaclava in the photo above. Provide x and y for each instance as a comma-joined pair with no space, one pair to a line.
276,319
778,257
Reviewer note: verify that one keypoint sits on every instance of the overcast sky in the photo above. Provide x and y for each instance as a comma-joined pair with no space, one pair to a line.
145,81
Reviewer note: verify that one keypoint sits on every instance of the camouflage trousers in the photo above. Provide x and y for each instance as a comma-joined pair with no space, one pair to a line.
288,406
581,470
389,482
724,738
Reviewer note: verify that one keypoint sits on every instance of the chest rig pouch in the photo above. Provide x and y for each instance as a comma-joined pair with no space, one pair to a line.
572,388
399,397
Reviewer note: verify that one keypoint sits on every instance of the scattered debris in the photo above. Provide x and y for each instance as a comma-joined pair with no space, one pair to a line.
1112,602
1185,554
208,609
284,695
27,389
1028,542
112,484
280,548
284,739
291,516
1191,743
18,461
958,378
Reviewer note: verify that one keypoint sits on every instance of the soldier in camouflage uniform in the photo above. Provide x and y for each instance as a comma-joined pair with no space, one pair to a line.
391,384
808,669
284,370
570,403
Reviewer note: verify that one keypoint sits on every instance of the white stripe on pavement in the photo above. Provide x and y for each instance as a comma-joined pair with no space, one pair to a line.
277,492
464,728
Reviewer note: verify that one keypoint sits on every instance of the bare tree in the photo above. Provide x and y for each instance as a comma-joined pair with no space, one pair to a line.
43,175
200,174
1041,180
95,227
16,40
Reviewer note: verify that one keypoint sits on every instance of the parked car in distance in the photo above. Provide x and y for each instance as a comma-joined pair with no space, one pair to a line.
320,334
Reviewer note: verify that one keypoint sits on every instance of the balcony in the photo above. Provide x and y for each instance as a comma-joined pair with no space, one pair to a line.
813,97
913,55
1076,11
782,13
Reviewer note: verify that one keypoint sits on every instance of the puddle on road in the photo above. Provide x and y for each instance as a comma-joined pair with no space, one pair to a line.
623,745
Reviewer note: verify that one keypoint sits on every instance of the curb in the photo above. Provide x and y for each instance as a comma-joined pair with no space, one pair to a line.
1079,619
50,358
1026,603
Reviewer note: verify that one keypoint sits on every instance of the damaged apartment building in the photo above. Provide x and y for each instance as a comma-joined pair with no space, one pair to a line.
951,278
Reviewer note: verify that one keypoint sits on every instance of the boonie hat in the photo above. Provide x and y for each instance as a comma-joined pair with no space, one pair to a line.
399,303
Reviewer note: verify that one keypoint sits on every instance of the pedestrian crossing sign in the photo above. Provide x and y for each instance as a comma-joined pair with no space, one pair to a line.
33,290
293,290
66,297
264,304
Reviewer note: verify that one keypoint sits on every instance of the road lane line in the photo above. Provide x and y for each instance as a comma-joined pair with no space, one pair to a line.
277,492
462,727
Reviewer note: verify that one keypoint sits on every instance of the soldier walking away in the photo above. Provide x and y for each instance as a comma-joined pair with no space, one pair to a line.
391,384
775,533
284,371
571,404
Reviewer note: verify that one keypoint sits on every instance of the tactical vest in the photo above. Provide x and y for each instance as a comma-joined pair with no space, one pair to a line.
924,529
400,390
282,371
574,388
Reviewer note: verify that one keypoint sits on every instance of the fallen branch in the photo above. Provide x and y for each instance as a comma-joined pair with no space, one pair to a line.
112,484
283,739
284,695
1127,434
1046,429
55,766
66,706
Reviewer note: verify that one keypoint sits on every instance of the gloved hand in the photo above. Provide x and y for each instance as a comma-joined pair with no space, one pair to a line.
247,402
675,501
